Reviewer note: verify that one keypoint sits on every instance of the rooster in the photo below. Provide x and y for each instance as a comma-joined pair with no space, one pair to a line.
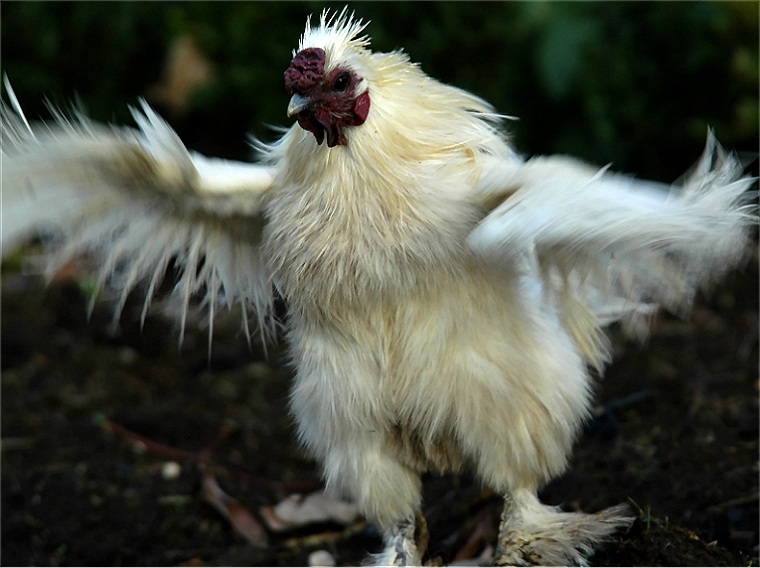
447,299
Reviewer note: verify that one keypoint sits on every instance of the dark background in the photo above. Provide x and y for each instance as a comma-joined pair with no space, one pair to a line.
635,84
632,83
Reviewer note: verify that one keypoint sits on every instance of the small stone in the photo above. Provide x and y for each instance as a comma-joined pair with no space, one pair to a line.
321,558
171,470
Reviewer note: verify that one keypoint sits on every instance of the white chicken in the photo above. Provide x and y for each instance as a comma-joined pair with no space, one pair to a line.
446,298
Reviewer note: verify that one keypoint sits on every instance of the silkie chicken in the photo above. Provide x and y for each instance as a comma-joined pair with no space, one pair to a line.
447,299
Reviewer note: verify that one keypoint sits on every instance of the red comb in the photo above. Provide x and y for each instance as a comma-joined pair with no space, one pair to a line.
305,71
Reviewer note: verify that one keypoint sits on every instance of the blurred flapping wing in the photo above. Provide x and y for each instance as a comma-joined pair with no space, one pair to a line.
620,246
139,202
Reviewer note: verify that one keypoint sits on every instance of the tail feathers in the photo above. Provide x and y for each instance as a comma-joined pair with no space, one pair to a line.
536,534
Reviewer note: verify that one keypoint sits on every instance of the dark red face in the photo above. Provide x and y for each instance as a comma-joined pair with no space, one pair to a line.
326,103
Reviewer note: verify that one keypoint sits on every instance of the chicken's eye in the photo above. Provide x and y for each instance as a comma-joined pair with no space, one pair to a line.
341,82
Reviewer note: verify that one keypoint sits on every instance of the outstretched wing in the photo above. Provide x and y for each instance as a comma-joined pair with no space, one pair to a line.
139,201
617,245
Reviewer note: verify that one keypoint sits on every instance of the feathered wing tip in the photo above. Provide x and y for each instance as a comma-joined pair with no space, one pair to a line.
718,195
715,160
712,219
712,216
139,202
336,30
620,246
163,144
718,168
15,125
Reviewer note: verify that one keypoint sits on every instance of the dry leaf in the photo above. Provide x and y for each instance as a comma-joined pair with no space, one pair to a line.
477,544
186,68
298,510
239,517
485,559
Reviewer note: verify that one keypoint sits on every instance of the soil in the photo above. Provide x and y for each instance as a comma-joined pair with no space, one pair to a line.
109,431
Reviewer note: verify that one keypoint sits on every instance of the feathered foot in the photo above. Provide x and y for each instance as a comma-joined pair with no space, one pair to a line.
400,546
535,534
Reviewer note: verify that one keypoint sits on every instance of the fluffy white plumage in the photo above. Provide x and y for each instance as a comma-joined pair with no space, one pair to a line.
446,297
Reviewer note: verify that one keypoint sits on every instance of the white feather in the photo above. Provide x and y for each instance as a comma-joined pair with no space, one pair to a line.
623,243
337,34
138,200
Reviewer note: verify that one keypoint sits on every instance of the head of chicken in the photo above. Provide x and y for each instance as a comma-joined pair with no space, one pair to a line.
328,92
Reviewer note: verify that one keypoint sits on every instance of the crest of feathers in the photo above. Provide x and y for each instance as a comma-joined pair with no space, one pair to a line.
336,33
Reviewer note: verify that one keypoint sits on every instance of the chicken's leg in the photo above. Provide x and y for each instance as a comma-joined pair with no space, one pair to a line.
532,533
400,546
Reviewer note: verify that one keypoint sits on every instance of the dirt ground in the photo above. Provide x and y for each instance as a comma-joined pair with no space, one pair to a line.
109,434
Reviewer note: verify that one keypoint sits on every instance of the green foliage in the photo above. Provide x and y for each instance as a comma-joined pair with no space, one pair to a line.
632,83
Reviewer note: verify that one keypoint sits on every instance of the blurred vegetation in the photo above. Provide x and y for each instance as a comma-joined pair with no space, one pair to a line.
633,83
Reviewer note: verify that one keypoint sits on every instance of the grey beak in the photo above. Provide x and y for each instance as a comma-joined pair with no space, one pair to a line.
297,104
